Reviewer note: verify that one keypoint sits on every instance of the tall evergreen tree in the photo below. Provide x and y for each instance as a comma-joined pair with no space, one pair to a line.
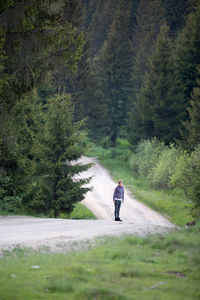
149,17
161,100
187,53
114,71
37,33
191,135
57,146
176,12
36,37
97,19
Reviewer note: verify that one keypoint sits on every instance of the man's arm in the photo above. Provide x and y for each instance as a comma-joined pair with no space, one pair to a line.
114,194
123,196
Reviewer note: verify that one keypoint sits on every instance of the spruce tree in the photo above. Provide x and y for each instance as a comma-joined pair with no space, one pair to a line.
187,53
149,19
176,12
191,135
161,102
114,72
36,37
57,148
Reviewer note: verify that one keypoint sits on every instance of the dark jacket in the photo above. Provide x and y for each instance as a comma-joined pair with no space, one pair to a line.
118,192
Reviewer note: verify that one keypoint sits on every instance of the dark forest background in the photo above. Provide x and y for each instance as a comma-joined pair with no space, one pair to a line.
113,68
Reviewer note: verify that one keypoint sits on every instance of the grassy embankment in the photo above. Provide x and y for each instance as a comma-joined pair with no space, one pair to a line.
171,203
79,212
159,267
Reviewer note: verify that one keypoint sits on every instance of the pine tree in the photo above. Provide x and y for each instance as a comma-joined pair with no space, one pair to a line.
56,189
175,13
161,103
187,53
36,38
191,135
114,72
149,17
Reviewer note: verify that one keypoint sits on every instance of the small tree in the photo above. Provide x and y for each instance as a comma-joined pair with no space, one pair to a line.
55,188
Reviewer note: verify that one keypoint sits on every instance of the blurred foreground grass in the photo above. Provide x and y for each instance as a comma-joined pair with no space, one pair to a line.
156,267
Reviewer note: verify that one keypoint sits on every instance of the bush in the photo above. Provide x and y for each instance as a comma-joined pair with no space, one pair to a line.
160,176
179,178
11,204
145,157
9,201
193,177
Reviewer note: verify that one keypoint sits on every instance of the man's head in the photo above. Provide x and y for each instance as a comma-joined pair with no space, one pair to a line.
120,183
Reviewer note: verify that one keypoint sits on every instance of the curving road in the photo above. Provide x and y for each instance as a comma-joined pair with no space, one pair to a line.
62,235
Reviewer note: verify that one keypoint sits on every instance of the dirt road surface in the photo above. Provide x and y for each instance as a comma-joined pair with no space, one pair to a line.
60,234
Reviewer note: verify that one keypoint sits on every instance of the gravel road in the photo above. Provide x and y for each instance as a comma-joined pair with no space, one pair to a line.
60,235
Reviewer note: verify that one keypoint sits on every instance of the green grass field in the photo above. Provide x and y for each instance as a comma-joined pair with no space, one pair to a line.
172,204
157,268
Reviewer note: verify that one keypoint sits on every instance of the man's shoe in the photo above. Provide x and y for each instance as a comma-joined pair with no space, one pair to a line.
118,219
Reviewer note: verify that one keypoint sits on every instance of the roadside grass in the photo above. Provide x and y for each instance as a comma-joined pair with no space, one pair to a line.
157,267
80,212
172,204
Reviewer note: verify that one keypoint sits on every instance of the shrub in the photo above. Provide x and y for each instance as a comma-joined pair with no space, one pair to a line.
179,177
9,201
193,177
133,162
146,156
160,176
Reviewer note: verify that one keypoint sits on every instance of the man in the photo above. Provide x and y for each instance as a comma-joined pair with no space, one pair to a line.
118,198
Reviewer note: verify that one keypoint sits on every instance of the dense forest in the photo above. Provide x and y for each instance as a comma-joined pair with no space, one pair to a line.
113,68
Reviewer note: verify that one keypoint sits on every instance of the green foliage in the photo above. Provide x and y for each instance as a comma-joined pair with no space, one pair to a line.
191,135
192,176
187,53
36,38
4,77
9,201
150,17
160,175
55,188
81,212
179,177
176,12
146,156
114,67
160,102
154,162
37,34
166,167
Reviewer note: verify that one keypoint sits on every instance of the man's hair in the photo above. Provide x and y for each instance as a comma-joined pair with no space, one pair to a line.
120,181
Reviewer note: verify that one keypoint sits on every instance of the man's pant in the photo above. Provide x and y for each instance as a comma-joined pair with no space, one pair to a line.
117,208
